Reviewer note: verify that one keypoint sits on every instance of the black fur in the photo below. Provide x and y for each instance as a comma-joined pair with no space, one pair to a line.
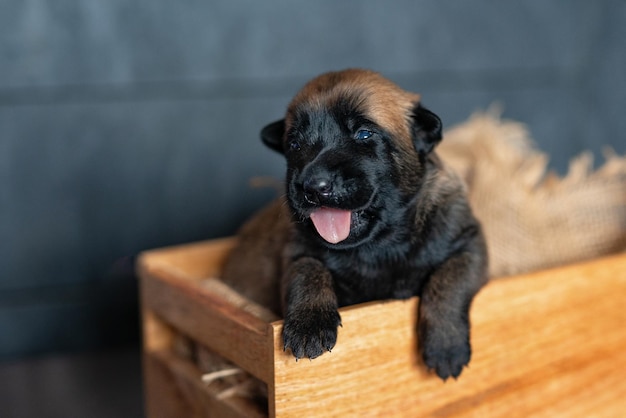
426,129
412,231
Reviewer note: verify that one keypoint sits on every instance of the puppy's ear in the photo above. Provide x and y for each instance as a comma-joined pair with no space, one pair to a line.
272,135
426,129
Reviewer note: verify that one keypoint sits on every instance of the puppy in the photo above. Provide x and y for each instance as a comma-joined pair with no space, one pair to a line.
370,213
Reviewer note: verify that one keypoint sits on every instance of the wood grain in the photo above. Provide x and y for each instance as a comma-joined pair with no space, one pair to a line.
208,315
175,390
551,344
200,260
545,344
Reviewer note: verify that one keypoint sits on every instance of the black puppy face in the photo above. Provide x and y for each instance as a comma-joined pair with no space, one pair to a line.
352,159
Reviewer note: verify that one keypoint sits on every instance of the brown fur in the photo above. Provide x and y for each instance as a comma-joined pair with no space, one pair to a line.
391,108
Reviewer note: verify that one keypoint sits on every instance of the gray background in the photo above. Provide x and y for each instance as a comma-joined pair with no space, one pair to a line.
127,124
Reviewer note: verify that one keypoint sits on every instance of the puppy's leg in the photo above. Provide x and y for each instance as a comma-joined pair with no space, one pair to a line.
311,317
444,310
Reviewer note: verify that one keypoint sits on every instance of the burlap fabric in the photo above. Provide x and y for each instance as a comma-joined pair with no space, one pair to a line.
532,218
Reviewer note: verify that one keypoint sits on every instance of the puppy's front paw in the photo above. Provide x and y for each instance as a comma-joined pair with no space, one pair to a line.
445,353
311,331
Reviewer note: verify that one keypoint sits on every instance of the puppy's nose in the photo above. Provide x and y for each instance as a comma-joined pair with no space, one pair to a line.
316,189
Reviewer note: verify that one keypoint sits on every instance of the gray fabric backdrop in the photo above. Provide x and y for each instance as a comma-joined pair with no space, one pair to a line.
128,124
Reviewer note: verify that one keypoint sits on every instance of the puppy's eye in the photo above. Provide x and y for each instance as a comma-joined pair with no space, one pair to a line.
363,134
294,145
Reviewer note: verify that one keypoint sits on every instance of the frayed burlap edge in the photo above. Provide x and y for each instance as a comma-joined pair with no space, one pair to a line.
533,218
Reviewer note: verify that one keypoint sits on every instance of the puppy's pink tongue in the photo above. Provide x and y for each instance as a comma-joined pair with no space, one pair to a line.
332,224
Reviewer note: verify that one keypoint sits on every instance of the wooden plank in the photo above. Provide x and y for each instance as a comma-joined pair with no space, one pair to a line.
175,389
209,317
368,371
544,344
156,334
198,260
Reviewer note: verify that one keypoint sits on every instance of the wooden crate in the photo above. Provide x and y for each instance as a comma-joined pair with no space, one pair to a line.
551,343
